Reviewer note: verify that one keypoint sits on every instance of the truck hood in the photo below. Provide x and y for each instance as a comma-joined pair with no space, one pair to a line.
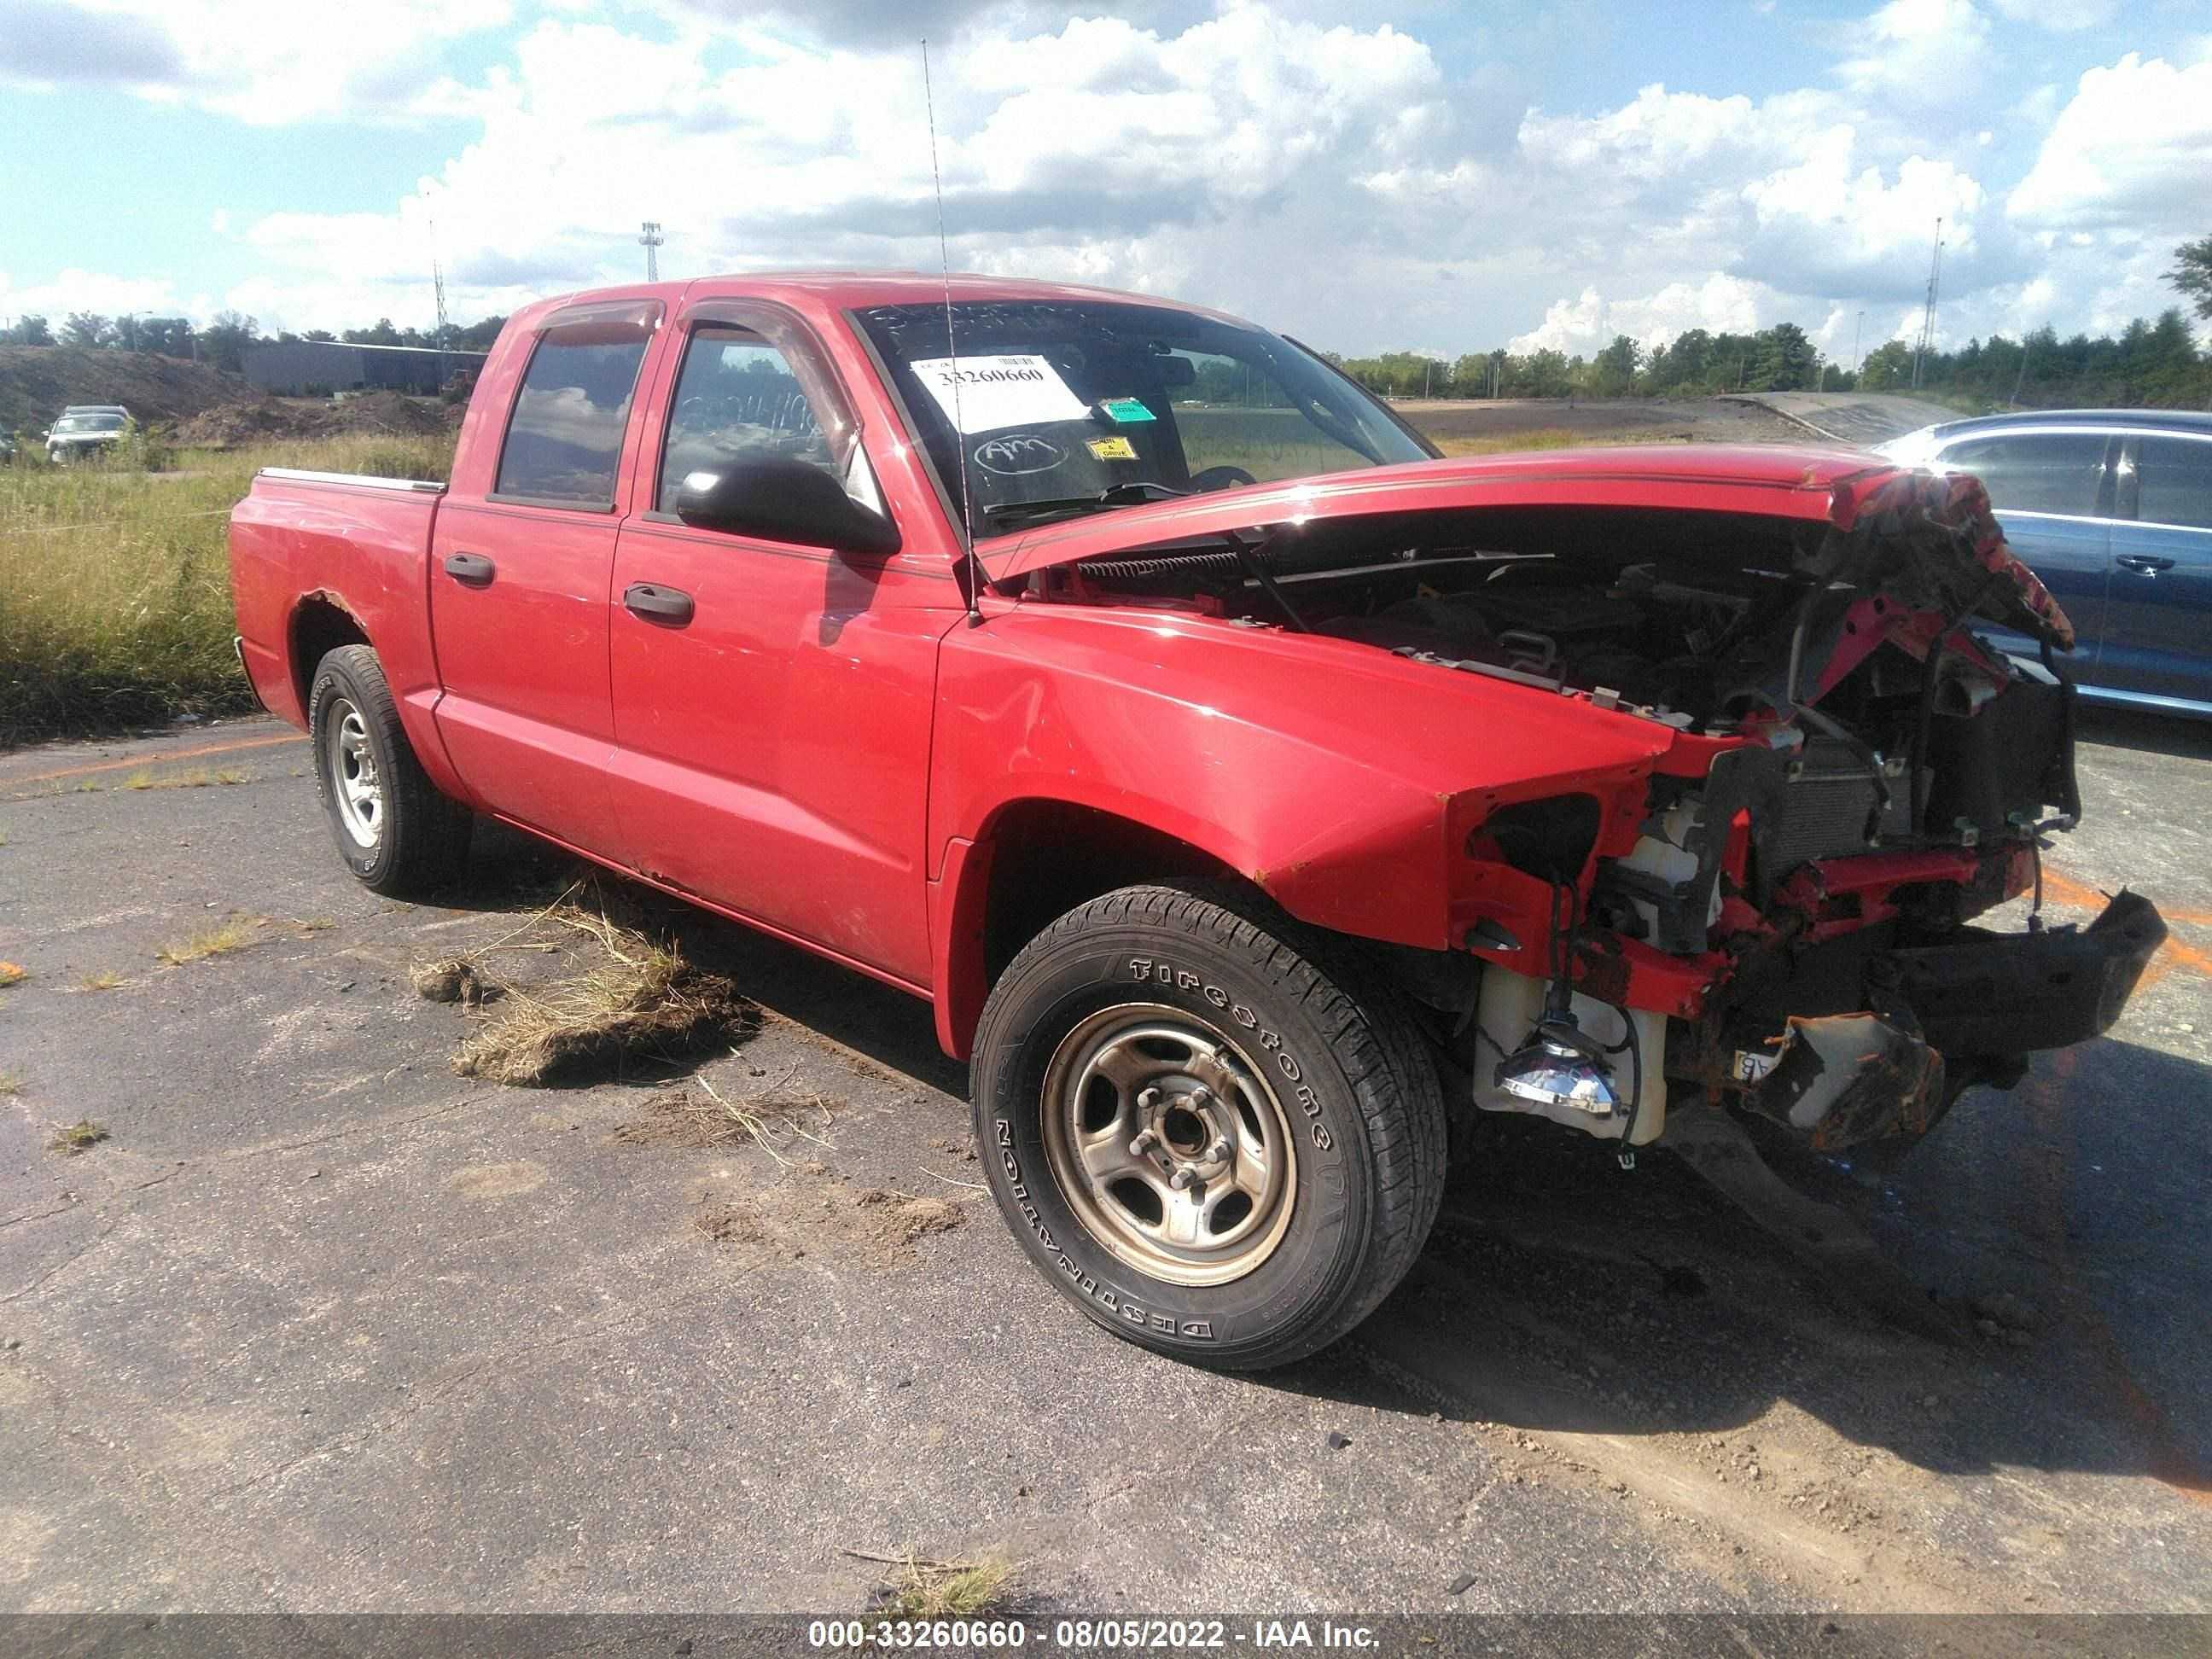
1841,488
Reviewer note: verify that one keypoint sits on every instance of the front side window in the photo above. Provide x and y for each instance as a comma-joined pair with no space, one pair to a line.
1052,407
2173,482
737,399
564,440
2059,472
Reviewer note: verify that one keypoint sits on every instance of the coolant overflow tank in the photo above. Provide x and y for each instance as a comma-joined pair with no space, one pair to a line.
1509,1008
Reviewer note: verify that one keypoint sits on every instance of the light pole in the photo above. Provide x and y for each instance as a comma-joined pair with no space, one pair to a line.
1858,329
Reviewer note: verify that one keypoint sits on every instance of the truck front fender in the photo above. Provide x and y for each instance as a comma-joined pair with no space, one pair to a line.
1338,780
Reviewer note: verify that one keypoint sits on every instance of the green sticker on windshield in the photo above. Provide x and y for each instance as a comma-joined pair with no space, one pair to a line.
1128,411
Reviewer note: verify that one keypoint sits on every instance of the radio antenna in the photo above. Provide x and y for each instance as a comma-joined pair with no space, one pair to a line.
965,530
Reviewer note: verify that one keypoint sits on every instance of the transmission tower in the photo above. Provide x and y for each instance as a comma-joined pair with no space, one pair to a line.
1927,342
445,328
652,240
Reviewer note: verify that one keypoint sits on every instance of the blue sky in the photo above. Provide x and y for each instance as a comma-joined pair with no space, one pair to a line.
1365,174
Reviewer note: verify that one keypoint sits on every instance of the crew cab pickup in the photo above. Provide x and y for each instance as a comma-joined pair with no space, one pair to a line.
1255,794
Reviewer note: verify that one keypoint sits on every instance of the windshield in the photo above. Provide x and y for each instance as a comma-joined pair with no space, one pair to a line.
89,424
1067,407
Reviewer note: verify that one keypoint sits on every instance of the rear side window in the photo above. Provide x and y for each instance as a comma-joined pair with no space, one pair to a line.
564,439
2173,482
2036,472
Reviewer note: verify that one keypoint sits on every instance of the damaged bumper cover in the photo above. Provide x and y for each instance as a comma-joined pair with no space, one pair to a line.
1841,1079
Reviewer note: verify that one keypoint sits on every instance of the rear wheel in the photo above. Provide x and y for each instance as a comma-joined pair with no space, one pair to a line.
1207,1125
397,834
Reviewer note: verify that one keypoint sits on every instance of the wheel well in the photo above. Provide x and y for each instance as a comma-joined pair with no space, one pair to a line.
1050,856
318,627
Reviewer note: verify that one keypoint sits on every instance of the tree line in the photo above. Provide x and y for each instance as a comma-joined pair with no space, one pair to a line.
224,341
2148,362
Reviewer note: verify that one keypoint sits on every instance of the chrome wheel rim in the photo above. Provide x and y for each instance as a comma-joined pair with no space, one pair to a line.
1168,1144
355,785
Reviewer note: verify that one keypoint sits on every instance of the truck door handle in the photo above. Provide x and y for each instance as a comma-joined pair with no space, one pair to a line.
471,569
2144,564
660,605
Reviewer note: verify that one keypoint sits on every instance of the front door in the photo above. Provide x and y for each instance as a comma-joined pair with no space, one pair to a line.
2159,611
2052,492
518,585
771,702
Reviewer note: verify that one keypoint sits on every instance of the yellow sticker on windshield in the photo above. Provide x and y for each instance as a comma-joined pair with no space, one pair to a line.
1111,449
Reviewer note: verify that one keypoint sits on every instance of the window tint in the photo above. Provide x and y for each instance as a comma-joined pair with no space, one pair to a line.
2035,472
737,399
564,441
1235,414
2173,482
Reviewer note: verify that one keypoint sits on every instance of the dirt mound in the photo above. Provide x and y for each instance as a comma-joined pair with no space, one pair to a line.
36,382
266,417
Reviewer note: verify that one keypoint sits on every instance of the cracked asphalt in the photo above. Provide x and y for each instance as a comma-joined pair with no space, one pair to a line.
321,1327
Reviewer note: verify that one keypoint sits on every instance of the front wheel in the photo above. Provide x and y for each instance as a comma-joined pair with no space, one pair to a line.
397,834
1207,1125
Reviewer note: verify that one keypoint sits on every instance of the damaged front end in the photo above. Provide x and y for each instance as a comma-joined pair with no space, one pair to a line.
1798,894
1752,898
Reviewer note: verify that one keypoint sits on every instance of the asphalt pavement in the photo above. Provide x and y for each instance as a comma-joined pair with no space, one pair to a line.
321,1325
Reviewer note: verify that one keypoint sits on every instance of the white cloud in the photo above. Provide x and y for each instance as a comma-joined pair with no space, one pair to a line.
1589,322
2060,16
2132,150
1265,155
1922,52
259,61
75,289
1086,151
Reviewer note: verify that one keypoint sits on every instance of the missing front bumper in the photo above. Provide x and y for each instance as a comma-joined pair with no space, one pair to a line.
1841,1079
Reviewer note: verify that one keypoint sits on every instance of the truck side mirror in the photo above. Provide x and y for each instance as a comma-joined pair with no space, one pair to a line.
783,500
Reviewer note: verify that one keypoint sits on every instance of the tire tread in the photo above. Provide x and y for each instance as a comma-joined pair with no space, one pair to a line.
1372,1039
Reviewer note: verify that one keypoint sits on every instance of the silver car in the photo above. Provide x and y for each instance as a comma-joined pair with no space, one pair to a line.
85,430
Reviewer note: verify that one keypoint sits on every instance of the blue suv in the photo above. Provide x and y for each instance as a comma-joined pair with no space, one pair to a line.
2112,508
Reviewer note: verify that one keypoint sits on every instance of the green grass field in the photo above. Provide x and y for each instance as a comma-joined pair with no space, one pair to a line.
115,583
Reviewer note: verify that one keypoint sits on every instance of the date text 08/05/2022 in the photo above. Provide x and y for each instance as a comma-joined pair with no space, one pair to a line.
1086,1635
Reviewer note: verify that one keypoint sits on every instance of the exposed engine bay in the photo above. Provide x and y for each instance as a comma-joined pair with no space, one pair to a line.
1859,771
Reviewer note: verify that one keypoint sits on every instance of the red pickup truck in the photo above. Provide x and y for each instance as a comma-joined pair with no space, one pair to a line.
1254,794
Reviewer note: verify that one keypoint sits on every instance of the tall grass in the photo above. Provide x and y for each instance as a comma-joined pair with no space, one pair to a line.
115,582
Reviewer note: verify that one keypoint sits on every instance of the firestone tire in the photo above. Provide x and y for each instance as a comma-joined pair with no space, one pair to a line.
398,835
1317,1074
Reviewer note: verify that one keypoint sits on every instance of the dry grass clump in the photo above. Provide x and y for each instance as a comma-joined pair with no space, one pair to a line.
13,973
232,933
198,778
946,1589
771,1121
634,999
104,979
78,1137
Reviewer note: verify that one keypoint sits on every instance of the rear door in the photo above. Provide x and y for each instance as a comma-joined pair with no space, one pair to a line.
2158,614
771,702
519,582
2053,493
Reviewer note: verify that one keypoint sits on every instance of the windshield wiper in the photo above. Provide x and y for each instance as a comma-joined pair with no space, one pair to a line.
1120,495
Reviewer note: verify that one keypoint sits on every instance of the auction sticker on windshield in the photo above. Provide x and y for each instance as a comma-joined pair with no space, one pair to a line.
989,394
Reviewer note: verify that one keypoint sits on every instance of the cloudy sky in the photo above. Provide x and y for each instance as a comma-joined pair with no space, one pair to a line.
1369,175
